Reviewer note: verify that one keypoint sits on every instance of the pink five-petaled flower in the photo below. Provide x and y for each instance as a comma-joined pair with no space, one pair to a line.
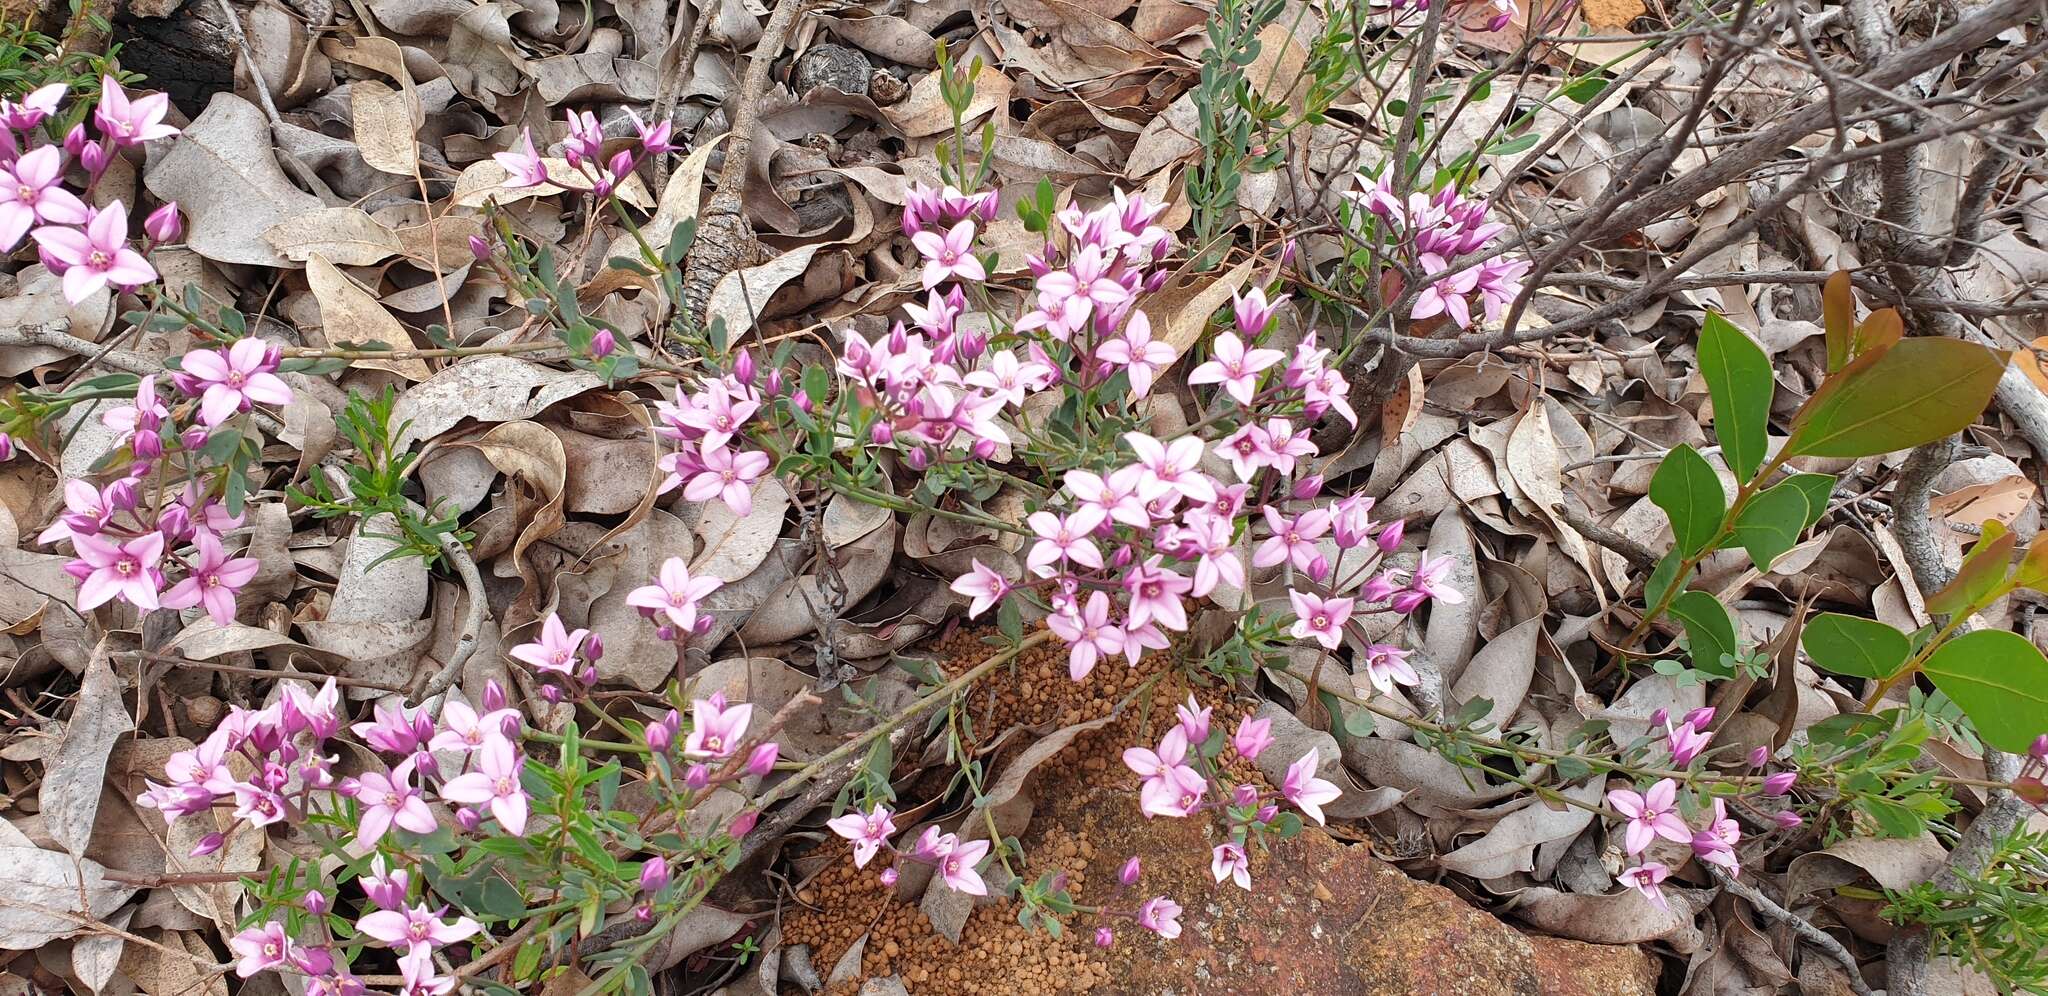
1650,815
31,191
235,378
1252,738
1687,742
127,571
1305,790
96,255
389,799
982,584
1208,535
715,728
131,122
1064,538
1247,449
1171,787
258,949
1141,356
728,476
462,729
1293,539
1235,367
557,648
213,582
1253,312
675,592
1229,861
1155,595
1429,577
956,860
868,833
525,165
419,931
1387,665
495,781
1089,634
950,255
1645,878
1161,916
1320,618
1175,465
1716,844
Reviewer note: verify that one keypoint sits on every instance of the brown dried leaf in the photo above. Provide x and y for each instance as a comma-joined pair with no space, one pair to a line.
71,777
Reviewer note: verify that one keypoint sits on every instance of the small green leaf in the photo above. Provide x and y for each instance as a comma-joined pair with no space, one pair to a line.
2001,681
1738,376
1852,645
501,900
1771,524
1915,392
1709,631
1688,491
1838,315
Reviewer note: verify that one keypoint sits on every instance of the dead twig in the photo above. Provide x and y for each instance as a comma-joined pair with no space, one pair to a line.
472,620
1800,925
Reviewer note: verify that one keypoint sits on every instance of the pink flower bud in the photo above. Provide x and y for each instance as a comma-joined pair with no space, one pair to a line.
1408,601
881,434
1700,718
802,400
121,494
6,447
94,159
1319,568
208,844
602,344
494,696
1288,250
1104,937
659,737
762,760
697,777
164,224
654,875
593,648
704,624
1245,794
1759,756
666,633
1128,874
2039,749
743,824
1308,487
1786,819
75,140
315,902
743,367
1660,718
1780,783
147,445
479,248
1267,812
889,877
551,694
588,675
917,459
467,818
984,448
194,438
1389,538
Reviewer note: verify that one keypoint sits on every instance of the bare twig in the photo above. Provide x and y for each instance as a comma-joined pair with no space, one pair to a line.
1912,523
55,338
472,620
1635,553
1807,931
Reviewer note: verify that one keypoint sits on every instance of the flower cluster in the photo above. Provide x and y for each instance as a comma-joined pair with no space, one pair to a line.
127,545
413,931
87,246
584,152
1429,234
707,426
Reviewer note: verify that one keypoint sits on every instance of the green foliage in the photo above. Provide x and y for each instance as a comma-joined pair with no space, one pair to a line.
1709,632
1872,761
1688,491
1770,525
2000,680
29,59
1226,115
1738,376
376,482
1914,392
1995,920
1852,645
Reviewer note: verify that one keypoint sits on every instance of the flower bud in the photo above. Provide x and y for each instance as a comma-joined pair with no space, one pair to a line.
889,877
704,624
984,449
1759,756
147,445
1408,601
1319,568
2039,749
743,824
75,140
917,459
208,844
1389,538
315,902
494,696
1780,783
588,675
1700,718
882,434
121,494
551,694
602,344
1661,717
6,447
1245,794
1308,487
194,438
659,737
1786,819
802,400
698,777
467,818
1288,250
94,158
479,248
1267,812
1104,937
164,224
772,385
593,648
654,875
1128,874
743,367
666,633
762,760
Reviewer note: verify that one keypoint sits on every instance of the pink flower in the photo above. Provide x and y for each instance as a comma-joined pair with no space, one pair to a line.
1235,367
127,571
1161,916
1284,445
495,781
1716,844
950,256
1780,783
464,730
1429,578
235,379
983,585
1645,878
1208,536
716,729
869,833
1194,719
391,799
419,931
1155,595
1229,861
1009,378
396,731
1387,665
1305,790
1248,449
96,256
1445,295
956,861
718,412
31,191
131,122
675,593
258,949
146,415
1293,539
1175,465
1122,496
1088,633
1253,312
1064,538
1170,787
727,476
214,581
525,165
1650,815
557,648
30,112
1141,356
1321,618
165,224
1252,738
1687,743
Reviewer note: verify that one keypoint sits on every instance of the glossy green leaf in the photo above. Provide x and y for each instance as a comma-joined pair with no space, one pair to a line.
1709,631
1984,569
2001,681
1818,489
1852,645
1771,524
1663,577
1688,491
1738,376
1915,392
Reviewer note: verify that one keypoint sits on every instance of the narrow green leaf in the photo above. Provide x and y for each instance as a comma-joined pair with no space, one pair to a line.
1984,568
1915,392
1771,524
2001,681
1738,376
1838,316
1688,491
1852,645
1709,631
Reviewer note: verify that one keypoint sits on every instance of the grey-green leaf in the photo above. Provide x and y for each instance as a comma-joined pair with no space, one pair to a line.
1688,491
1771,524
1852,645
1709,631
1738,376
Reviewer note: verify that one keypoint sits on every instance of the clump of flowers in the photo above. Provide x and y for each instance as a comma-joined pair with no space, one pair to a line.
1427,235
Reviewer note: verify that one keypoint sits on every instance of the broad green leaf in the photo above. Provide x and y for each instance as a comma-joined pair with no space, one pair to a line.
1915,392
1838,316
1881,331
1709,631
1771,524
1984,568
2001,681
1688,491
1818,488
1852,645
1663,578
1738,376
